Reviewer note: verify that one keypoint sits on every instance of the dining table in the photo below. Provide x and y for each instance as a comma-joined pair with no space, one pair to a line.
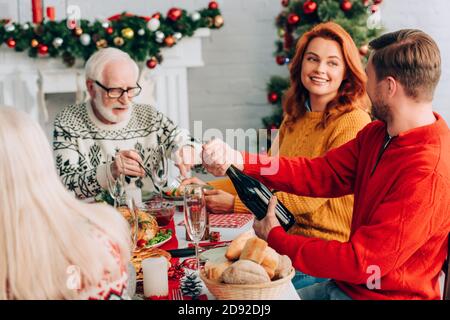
227,232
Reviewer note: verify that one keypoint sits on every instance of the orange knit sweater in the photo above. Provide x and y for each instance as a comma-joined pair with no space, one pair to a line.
316,217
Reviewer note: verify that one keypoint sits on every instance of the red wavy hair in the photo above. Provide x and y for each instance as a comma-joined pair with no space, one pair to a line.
352,91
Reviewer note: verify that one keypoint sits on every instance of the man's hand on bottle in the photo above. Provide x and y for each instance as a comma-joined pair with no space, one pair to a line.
270,221
218,156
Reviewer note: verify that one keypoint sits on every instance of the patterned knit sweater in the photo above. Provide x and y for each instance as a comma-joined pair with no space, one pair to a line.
326,218
81,144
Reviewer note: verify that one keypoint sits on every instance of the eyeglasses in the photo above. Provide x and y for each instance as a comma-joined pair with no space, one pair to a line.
116,93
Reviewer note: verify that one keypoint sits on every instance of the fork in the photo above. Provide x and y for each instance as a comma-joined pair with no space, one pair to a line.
176,294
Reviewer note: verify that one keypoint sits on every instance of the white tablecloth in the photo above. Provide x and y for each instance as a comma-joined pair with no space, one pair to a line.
225,235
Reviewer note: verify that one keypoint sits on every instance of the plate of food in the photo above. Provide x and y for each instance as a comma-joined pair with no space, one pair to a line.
163,236
177,194
173,193
149,234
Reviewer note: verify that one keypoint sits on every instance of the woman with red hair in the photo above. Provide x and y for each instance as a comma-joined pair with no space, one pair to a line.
325,107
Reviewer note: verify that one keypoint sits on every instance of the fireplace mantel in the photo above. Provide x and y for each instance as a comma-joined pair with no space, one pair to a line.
24,81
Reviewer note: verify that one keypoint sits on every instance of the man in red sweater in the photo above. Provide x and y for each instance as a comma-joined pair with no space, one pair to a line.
399,171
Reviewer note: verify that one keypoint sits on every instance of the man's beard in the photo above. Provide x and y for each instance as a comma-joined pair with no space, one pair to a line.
107,112
381,111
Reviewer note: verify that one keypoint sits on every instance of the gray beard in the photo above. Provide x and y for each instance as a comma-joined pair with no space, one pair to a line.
107,112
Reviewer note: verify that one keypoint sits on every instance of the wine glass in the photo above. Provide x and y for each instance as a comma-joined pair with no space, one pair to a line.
159,168
133,220
195,215
116,187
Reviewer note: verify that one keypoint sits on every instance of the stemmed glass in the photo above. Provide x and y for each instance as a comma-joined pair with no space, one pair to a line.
195,215
160,168
133,220
116,187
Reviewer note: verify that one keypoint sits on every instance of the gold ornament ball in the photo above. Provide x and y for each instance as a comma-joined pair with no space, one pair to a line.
102,43
218,21
127,33
169,41
118,41
78,31
281,33
364,50
34,43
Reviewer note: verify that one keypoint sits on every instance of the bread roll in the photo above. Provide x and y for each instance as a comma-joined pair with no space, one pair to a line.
235,249
245,272
214,269
254,250
284,267
270,261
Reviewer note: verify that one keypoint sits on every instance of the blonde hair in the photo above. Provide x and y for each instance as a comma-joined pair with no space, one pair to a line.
44,230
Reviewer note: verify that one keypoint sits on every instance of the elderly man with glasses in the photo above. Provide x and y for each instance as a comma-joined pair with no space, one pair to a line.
111,124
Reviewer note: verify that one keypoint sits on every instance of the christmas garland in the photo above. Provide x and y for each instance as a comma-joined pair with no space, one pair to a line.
299,16
141,37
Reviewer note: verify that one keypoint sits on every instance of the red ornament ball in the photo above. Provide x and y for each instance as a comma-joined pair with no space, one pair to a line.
281,60
293,18
157,15
42,49
346,5
309,7
272,97
213,5
285,3
11,43
174,14
109,30
151,63
377,1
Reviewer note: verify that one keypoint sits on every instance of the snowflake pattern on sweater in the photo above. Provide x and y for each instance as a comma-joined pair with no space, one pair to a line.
81,144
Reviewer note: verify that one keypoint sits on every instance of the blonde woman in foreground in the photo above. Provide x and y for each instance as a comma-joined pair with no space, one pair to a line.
52,246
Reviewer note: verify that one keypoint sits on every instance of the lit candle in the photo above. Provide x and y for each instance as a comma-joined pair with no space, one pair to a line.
156,281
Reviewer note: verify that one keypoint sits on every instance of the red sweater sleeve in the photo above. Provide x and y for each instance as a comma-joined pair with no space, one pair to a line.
400,225
332,175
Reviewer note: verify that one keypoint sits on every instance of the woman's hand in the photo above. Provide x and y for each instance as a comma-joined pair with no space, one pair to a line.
219,201
193,180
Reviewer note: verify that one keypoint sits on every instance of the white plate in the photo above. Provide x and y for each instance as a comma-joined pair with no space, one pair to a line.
213,254
156,245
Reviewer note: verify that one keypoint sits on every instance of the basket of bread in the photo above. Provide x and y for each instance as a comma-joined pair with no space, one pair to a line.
249,270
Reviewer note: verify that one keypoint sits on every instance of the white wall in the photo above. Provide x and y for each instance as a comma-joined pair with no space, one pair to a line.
433,17
229,92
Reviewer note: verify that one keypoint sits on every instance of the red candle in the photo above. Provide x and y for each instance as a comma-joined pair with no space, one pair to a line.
36,7
51,13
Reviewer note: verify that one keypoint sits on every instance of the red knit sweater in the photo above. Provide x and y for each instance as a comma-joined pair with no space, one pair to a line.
401,214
